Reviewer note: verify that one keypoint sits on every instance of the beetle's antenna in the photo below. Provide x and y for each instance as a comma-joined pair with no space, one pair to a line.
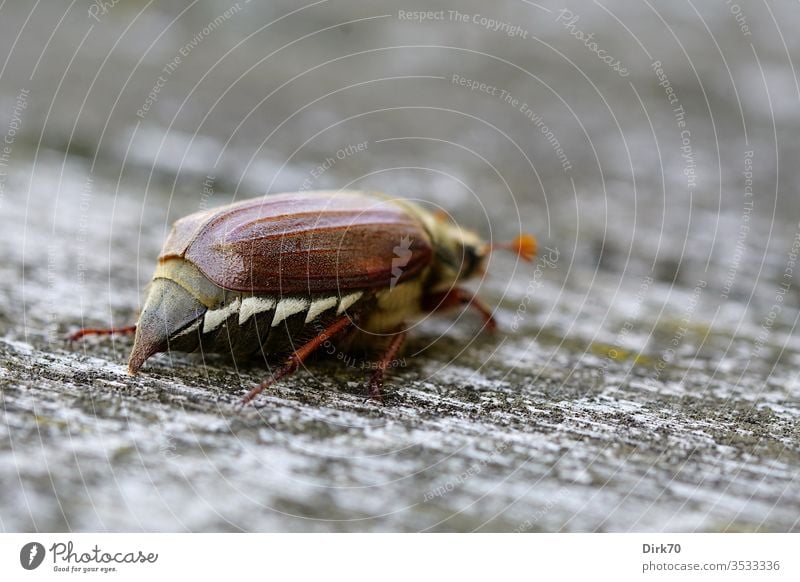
524,246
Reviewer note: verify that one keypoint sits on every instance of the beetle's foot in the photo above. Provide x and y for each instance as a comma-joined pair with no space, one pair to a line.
491,325
81,333
375,383
374,387
489,321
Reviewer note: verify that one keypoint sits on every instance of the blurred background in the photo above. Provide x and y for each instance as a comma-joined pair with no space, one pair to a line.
645,375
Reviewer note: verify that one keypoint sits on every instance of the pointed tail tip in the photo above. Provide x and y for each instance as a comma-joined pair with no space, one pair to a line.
137,359
146,344
169,308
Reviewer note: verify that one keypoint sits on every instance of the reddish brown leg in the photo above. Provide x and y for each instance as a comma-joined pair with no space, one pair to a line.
456,297
376,381
300,355
101,331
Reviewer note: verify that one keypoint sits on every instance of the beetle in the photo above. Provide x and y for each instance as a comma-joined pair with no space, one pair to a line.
285,274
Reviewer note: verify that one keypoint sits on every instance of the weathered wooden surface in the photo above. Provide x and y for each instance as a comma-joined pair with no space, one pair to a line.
639,381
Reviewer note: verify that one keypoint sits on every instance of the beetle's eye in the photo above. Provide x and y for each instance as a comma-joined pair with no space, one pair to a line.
471,261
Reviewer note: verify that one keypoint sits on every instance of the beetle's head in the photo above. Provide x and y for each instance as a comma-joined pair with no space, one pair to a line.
462,254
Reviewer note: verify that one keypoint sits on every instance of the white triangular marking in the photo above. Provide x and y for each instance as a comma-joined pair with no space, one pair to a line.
217,317
288,307
320,306
253,305
348,301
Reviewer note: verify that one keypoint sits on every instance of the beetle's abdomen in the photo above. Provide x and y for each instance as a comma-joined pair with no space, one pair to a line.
247,326
186,312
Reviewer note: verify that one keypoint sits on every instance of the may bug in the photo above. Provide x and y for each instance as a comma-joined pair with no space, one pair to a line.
285,274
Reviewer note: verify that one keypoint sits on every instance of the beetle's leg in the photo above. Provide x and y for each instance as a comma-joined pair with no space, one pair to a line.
294,361
376,381
456,297
127,330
